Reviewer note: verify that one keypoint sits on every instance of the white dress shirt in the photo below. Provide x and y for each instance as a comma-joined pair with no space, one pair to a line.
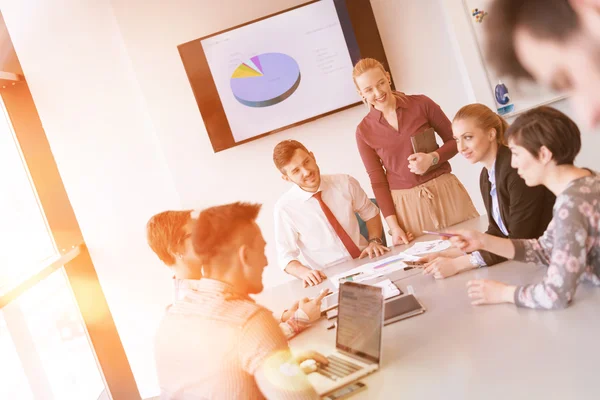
302,229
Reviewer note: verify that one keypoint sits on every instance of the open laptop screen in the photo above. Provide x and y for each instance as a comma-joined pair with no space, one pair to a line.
360,320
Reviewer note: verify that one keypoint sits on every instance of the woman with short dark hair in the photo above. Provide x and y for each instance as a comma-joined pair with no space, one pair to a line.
544,143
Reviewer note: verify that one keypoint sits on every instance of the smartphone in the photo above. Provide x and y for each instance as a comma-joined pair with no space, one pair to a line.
444,234
346,391
399,308
413,263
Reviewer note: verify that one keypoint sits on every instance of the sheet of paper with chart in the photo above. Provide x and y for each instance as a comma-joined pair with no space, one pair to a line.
373,269
431,246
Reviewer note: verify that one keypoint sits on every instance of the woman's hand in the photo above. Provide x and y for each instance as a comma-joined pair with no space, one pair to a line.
442,267
468,240
427,258
419,163
483,291
401,237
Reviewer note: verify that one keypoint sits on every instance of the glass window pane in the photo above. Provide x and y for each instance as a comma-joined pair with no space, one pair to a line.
26,240
48,334
14,381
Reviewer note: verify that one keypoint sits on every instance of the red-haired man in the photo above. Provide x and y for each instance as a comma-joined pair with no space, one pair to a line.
215,342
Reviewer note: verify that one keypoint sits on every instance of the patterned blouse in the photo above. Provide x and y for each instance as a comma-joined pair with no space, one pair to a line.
570,247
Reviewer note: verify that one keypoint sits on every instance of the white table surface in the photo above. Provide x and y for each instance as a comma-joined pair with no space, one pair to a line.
458,351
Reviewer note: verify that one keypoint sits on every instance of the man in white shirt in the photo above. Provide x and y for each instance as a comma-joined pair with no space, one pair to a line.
315,219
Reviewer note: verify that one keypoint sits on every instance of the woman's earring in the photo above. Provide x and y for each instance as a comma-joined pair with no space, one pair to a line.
180,256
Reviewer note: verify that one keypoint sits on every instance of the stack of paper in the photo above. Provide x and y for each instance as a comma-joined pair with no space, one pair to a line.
389,289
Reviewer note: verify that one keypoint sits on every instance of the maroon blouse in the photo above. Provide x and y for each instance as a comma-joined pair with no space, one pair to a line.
381,146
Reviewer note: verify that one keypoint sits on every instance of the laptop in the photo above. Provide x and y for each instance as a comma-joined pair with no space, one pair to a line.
358,339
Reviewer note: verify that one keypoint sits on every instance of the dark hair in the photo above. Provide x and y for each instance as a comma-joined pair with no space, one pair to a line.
284,151
165,233
217,227
546,126
545,19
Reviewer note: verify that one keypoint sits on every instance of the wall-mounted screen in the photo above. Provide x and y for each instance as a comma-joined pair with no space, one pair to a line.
281,70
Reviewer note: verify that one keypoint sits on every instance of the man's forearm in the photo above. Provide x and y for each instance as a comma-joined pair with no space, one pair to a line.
295,268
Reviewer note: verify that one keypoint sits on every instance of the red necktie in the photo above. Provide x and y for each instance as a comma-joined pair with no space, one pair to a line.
337,227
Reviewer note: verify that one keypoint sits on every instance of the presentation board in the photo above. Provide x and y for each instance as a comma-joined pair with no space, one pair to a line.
281,70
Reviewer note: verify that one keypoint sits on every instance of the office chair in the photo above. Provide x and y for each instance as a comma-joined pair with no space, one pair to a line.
363,226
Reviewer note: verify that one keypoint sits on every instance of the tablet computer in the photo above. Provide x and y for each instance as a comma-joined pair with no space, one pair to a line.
401,307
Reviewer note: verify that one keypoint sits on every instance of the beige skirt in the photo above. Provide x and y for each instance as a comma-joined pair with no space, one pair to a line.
434,205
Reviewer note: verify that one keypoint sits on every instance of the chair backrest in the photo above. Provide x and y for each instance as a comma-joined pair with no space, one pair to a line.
363,226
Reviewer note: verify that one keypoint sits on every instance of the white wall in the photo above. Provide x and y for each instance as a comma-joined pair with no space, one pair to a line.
129,141
203,178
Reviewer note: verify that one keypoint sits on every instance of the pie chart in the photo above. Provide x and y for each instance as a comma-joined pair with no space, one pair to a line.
265,79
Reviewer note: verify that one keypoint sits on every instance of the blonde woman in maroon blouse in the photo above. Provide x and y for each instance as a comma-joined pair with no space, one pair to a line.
411,196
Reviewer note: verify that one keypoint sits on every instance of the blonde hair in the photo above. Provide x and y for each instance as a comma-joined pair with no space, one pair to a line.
485,119
365,64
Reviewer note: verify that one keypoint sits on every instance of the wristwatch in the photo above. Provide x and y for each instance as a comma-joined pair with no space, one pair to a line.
435,159
376,240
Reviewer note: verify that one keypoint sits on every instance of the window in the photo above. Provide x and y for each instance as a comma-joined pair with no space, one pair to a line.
43,334
57,336
27,243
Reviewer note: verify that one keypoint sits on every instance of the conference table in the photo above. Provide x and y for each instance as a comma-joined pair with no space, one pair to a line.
459,351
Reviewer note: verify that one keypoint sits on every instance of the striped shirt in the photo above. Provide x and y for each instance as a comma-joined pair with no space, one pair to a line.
290,328
215,343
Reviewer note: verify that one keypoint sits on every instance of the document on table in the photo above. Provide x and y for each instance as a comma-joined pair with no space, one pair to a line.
432,246
373,269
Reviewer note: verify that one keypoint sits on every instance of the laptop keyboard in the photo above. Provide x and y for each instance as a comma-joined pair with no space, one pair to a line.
337,368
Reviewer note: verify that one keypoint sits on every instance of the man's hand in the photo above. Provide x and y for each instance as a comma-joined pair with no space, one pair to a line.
401,237
310,355
374,249
483,291
312,277
312,308
419,163
442,267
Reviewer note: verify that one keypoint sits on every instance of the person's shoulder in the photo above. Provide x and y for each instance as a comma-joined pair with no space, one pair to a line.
284,201
340,180
418,99
233,308
364,126
582,190
260,319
